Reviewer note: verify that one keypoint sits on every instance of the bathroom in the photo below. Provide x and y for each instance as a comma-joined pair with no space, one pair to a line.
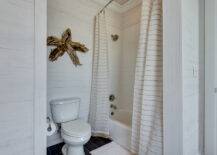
101,77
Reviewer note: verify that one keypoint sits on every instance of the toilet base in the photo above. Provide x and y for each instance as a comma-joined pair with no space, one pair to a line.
64,149
73,150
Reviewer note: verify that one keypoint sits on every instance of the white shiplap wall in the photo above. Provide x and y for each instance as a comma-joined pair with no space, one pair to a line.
65,80
191,76
210,77
172,78
19,76
183,77
16,76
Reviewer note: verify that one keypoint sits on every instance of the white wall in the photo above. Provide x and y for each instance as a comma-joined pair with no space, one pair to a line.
64,79
183,77
172,78
130,37
16,77
19,77
191,75
211,78
114,26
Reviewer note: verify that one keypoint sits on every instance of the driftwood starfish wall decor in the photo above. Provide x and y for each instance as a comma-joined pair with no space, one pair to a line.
65,44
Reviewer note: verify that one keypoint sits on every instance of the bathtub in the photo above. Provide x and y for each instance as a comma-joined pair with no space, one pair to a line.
120,128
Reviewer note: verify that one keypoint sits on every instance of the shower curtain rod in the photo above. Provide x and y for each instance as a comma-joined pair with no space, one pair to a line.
105,6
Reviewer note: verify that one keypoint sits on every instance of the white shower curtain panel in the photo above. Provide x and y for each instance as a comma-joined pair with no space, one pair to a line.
99,106
147,124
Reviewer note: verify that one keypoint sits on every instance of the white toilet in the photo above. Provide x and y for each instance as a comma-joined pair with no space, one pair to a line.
74,132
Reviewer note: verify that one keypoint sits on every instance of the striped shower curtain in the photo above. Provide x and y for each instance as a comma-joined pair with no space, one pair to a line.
99,103
147,123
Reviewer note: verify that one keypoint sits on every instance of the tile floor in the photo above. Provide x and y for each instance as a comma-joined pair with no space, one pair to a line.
110,149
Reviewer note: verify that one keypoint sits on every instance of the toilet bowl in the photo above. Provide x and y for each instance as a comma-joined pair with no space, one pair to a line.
74,132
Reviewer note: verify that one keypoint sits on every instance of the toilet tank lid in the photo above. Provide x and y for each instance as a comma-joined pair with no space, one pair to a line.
65,100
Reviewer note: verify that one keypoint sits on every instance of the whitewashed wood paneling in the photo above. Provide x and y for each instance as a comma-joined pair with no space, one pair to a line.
183,77
40,78
172,75
191,68
16,76
210,77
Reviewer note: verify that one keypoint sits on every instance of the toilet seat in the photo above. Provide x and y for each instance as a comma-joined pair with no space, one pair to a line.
76,128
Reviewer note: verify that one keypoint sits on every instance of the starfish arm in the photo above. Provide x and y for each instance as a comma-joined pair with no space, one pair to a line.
67,35
78,47
55,54
53,41
73,56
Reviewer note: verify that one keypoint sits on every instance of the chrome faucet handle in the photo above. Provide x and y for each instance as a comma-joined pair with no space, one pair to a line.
115,107
111,98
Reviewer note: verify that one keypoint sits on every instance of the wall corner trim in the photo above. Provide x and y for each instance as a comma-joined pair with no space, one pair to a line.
40,77
172,77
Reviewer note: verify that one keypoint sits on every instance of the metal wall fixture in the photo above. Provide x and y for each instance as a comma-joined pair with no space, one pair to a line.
111,97
112,106
115,37
49,122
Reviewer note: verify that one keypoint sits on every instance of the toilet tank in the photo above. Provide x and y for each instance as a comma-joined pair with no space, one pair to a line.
64,110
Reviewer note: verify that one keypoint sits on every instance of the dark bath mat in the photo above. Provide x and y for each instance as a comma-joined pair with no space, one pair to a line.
96,142
92,144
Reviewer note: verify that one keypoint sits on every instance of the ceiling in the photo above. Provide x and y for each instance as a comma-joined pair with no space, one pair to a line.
121,2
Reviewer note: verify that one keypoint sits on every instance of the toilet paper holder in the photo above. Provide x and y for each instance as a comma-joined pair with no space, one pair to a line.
49,122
